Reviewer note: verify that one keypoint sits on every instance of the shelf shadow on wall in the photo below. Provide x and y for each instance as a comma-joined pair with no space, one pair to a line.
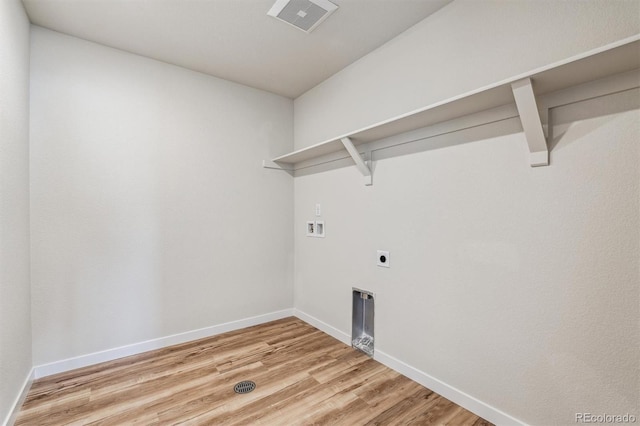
569,119
573,119
414,142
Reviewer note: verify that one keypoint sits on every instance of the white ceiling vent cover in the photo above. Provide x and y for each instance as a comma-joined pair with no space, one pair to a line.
302,14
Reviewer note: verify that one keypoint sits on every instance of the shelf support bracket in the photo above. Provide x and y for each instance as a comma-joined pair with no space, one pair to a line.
360,163
530,118
267,164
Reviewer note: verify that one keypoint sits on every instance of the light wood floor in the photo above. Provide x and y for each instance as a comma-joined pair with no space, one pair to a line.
303,377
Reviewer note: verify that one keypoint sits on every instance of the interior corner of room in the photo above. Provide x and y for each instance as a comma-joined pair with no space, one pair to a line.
158,186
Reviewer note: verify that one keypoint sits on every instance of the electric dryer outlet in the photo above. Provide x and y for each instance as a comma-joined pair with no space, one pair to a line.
383,259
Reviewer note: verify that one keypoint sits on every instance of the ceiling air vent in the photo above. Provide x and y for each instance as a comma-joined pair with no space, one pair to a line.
302,14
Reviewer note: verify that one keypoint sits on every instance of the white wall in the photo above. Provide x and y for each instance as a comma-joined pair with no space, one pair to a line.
517,285
15,307
464,46
151,213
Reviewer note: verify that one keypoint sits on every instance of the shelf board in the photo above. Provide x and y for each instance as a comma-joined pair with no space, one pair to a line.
615,58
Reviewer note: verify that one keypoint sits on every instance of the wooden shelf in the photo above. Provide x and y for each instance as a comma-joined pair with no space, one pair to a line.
609,60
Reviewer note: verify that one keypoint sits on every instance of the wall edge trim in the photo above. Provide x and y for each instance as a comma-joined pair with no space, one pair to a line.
323,326
461,398
152,344
20,398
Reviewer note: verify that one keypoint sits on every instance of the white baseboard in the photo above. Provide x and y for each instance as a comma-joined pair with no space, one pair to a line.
149,345
474,405
13,414
461,398
323,326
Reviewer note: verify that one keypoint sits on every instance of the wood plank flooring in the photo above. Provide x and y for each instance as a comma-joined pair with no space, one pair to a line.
302,375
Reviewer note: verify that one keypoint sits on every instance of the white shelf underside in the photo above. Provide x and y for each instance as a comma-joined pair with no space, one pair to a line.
607,61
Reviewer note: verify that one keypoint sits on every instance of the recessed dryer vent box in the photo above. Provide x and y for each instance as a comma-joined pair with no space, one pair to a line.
362,320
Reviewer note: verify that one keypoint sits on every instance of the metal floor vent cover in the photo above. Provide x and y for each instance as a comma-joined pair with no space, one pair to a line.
244,386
